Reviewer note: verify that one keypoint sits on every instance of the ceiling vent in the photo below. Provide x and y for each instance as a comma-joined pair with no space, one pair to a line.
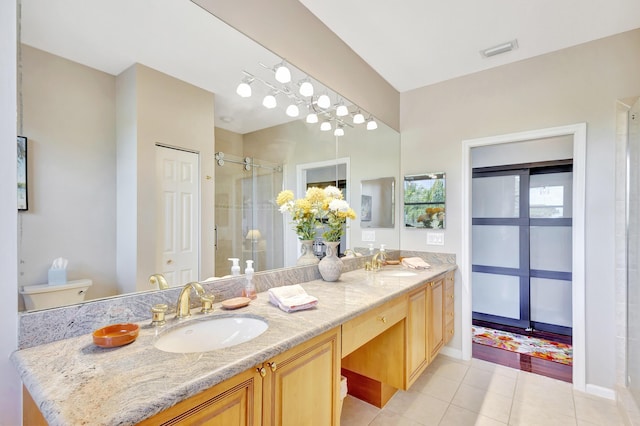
501,48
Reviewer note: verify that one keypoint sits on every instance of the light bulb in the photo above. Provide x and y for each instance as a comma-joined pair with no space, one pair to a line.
312,117
371,124
325,126
358,118
292,110
269,101
339,131
324,101
306,88
283,75
342,110
244,90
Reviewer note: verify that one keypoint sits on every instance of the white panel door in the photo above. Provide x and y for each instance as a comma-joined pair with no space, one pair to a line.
178,207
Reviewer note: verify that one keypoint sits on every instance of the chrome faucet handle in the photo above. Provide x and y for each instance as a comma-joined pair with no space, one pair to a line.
158,314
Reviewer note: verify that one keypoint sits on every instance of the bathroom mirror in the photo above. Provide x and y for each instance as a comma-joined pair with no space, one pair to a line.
377,205
70,112
424,201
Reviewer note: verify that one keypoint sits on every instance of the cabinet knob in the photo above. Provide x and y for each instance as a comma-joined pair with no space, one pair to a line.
383,319
262,371
272,365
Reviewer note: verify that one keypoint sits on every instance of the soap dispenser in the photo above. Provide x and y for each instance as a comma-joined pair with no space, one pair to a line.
235,267
249,289
383,255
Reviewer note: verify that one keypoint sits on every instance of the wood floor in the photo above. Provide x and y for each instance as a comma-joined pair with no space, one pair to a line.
525,362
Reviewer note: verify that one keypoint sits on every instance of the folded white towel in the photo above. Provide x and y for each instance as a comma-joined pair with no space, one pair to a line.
415,263
291,298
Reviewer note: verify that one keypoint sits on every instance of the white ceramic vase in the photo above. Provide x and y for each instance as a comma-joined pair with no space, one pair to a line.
330,266
307,257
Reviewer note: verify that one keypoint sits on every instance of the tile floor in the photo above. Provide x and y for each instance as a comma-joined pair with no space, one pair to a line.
452,392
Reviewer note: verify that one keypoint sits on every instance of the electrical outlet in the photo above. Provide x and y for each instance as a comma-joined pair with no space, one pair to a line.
368,235
435,238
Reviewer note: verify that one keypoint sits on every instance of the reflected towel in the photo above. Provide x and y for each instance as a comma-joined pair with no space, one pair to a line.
415,263
291,298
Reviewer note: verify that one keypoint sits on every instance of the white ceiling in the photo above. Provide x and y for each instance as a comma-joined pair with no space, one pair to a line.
410,43
415,43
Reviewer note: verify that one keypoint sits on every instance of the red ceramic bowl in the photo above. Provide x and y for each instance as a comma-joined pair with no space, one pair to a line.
115,335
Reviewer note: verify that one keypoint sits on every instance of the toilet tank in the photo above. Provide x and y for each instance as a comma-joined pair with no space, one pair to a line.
44,296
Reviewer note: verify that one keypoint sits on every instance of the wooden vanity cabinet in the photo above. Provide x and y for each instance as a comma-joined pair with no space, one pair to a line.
430,324
234,402
299,386
449,311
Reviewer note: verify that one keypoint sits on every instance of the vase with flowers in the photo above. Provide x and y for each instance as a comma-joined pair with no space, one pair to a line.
304,214
334,212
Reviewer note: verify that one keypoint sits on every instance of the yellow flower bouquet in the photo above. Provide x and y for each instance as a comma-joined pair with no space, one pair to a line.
304,211
336,210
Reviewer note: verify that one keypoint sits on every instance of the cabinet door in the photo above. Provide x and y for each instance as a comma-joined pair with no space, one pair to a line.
234,402
302,385
449,311
417,355
435,300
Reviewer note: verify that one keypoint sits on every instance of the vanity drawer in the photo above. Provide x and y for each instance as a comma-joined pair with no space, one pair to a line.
365,327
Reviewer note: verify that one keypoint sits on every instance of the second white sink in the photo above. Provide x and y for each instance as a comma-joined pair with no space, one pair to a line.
211,334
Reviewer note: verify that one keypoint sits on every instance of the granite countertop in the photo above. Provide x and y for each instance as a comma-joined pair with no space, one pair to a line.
75,382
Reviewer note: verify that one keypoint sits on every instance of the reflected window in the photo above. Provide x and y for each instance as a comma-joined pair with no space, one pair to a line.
424,201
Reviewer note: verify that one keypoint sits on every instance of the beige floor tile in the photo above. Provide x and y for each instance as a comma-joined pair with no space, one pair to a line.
531,413
389,418
599,411
356,412
496,368
546,396
448,368
493,405
457,416
422,408
490,381
437,386
547,382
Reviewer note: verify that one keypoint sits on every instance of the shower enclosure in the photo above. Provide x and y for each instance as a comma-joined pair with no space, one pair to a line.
249,225
633,252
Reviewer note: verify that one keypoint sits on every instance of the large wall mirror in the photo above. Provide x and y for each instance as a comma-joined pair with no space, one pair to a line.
120,98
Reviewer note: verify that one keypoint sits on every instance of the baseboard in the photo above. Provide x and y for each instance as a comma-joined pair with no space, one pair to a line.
601,391
451,352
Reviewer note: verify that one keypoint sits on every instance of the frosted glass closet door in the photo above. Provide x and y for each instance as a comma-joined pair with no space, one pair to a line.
496,246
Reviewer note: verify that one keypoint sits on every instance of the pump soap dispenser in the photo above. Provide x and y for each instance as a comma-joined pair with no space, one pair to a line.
249,289
235,267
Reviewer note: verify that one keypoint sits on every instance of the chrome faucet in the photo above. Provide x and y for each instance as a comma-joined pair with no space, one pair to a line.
183,309
159,280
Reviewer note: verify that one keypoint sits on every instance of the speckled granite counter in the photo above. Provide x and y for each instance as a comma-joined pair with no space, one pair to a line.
75,382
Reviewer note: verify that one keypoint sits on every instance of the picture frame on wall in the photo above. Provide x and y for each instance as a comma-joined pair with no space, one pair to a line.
23,198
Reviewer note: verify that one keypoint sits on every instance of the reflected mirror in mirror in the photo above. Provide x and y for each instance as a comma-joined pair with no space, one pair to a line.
377,203
99,113
424,201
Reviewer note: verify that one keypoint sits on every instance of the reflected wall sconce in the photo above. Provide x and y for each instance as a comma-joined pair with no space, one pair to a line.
306,88
339,130
283,75
325,126
358,118
269,101
371,124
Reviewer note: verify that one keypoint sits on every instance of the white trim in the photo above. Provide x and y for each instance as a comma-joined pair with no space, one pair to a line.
451,352
601,392
579,133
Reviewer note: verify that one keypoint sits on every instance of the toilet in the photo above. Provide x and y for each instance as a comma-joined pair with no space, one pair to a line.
44,296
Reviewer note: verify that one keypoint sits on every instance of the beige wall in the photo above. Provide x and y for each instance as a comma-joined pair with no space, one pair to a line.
69,120
177,114
288,29
579,84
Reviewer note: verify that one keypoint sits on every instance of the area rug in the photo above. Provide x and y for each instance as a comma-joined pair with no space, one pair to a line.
539,348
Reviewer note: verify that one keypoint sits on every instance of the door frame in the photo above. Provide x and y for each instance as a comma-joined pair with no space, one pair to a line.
579,133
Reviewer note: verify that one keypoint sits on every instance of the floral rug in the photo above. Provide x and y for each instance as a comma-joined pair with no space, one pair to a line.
539,348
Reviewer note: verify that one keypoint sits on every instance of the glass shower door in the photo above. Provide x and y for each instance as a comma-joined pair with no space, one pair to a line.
248,223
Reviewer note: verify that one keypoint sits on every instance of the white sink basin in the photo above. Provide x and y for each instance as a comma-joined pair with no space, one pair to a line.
399,273
210,334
